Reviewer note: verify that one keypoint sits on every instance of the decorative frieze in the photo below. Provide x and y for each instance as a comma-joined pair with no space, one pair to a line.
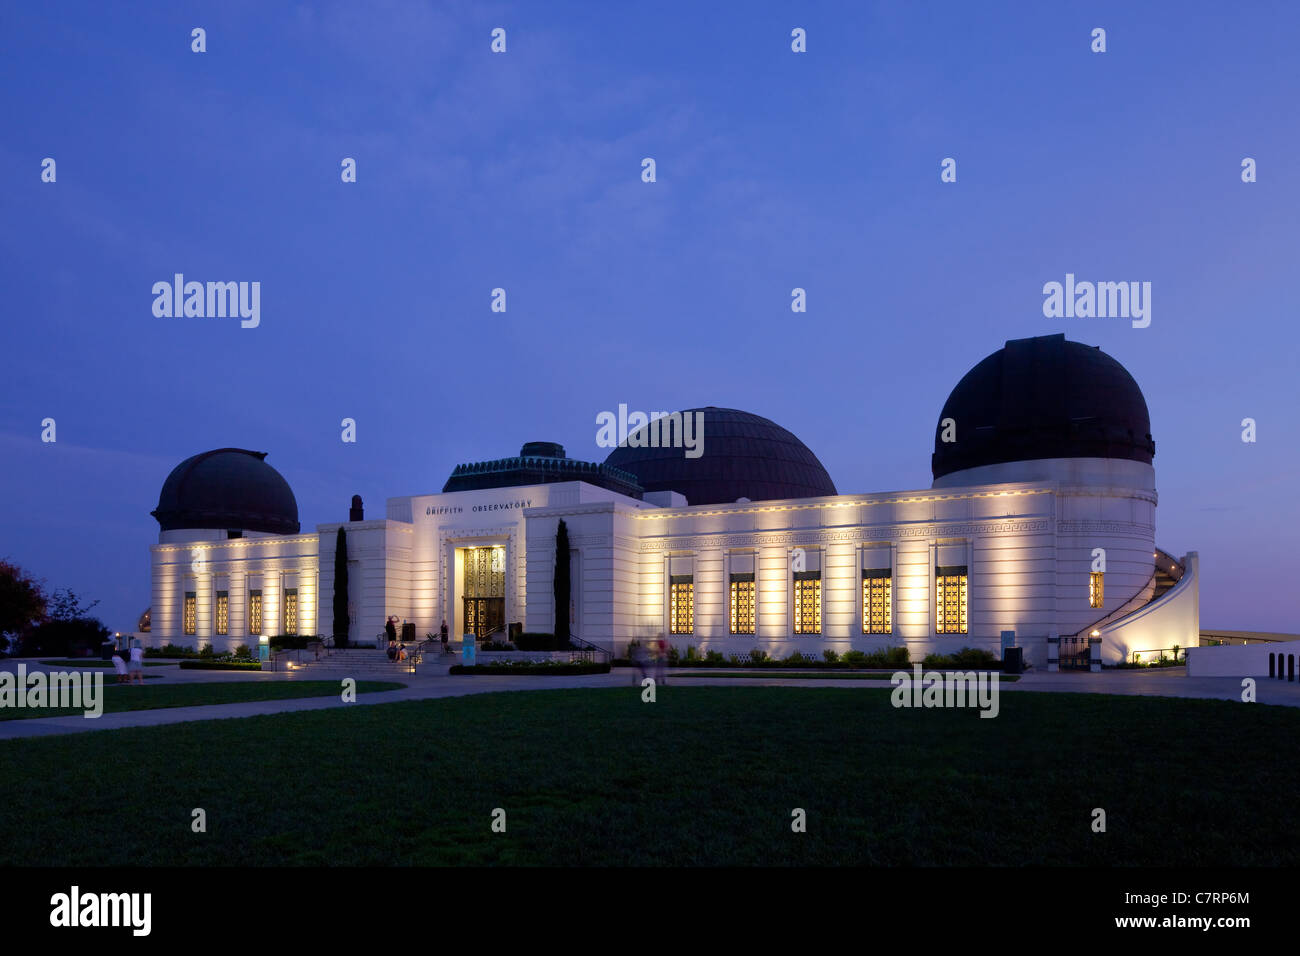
833,535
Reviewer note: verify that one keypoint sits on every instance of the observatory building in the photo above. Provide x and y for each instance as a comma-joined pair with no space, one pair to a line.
1039,520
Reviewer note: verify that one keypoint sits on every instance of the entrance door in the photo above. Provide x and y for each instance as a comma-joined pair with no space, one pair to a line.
484,616
483,589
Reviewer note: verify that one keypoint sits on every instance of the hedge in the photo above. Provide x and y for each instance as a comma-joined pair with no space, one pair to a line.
543,668
540,642
220,665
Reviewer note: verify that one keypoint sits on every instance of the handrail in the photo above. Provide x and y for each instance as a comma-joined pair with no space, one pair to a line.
1123,609
1176,569
587,650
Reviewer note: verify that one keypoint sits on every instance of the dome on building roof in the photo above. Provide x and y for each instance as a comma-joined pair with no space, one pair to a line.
1041,398
227,488
743,456
538,463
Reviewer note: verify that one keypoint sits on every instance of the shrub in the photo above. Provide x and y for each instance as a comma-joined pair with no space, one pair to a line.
170,650
714,657
537,668
758,656
207,651
830,656
897,657
242,652
673,656
734,659
970,657
798,657
691,653
497,646
855,658
975,657
537,641
292,642
224,665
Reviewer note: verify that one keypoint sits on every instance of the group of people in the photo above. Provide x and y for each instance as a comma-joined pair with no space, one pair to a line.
134,674
650,659
397,651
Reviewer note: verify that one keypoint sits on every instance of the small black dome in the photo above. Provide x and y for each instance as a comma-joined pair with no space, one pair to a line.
1040,398
744,456
227,488
542,449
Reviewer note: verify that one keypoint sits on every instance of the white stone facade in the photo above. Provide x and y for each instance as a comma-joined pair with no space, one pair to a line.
1025,532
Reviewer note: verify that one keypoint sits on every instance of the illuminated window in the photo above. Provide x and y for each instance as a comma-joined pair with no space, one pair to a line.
950,594
290,611
877,602
742,604
255,612
1096,590
807,602
223,612
191,613
682,604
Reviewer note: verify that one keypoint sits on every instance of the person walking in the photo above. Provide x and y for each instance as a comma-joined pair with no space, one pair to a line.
661,662
119,666
137,663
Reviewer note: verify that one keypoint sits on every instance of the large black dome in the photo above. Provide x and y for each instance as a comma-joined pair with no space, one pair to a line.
1043,398
744,456
227,488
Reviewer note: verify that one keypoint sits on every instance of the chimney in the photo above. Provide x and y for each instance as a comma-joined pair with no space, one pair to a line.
357,512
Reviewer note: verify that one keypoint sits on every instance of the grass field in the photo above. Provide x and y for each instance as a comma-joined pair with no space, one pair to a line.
806,675
707,775
123,697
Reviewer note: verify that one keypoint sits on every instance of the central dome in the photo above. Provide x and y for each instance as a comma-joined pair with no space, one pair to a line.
743,456
1043,398
230,489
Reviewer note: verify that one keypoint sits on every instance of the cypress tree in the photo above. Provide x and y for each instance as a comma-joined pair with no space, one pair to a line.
562,584
341,590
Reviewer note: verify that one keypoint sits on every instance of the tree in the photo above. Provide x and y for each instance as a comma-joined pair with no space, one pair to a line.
563,587
67,629
341,590
66,637
22,603
64,605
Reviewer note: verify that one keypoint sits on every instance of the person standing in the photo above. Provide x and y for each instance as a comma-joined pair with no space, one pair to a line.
391,630
119,666
442,633
137,663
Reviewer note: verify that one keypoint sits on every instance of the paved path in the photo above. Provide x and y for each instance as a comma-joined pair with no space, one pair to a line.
433,682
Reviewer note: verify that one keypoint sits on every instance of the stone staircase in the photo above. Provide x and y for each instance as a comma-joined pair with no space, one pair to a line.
1168,573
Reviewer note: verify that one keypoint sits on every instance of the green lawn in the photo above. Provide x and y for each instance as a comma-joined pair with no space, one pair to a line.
122,697
708,775
806,675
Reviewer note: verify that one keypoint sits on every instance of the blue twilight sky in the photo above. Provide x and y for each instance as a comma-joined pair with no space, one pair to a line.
522,170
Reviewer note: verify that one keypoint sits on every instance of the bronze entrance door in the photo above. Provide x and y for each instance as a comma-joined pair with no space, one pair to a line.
484,590
484,616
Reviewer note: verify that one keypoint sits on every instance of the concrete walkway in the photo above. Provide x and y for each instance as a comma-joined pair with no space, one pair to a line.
433,682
